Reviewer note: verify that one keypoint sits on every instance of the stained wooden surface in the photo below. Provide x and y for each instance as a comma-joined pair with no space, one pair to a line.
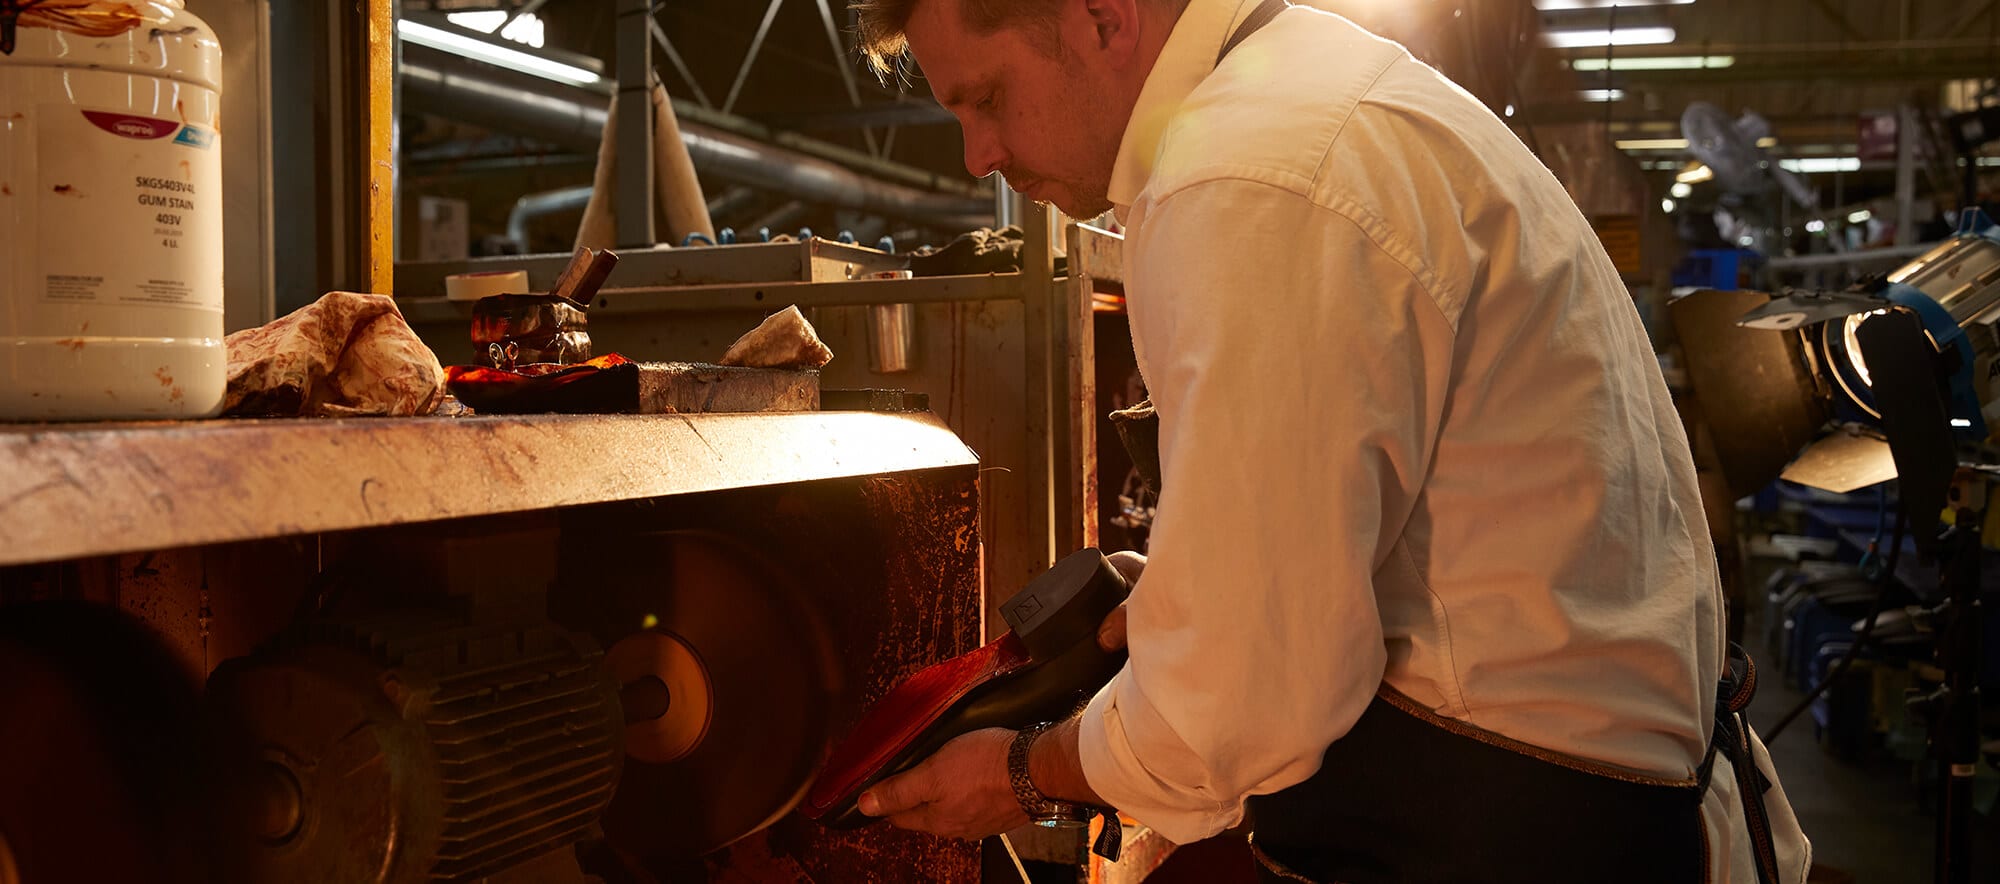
99,489
688,388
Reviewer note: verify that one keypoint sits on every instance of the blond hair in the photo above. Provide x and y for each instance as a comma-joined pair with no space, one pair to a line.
882,24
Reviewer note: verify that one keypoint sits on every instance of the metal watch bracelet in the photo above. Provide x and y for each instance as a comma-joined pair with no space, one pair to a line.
1039,807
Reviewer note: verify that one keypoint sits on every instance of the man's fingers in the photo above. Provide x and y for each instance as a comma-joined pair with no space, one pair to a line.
898,793
1129,564
921,819
1111,633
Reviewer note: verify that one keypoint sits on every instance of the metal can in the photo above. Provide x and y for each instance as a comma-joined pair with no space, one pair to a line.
110,213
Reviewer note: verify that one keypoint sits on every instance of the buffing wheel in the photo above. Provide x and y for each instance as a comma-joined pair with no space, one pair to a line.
727,680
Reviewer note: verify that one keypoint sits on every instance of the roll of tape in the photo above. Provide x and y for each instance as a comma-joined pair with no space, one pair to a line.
485,284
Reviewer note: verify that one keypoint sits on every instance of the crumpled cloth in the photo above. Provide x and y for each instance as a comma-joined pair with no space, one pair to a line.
983,250
783,340
344,355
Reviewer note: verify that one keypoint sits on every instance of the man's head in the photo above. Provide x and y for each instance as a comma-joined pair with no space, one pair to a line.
1041,88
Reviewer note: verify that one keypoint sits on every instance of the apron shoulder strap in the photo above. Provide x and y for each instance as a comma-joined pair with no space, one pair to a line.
1258,18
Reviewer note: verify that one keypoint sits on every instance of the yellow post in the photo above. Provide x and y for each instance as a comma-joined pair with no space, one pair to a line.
379,109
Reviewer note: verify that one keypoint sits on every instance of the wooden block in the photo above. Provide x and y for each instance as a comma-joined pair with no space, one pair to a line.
693,388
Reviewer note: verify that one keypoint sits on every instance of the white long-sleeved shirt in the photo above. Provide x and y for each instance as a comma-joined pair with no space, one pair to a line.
1412,431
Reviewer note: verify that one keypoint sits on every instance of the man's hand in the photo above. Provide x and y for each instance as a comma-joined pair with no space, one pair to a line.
961,792
1111,633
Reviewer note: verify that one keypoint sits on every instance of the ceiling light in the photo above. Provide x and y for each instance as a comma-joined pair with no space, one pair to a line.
1667,206
1605,37
1810,165
1653,144
1682,190
1815,226
1559,5
1695,175
1659,63
526,28
1510,110
480,50
1860,217
1601,94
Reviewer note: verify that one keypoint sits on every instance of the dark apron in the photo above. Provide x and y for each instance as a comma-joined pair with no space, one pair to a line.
1405,797
1408,796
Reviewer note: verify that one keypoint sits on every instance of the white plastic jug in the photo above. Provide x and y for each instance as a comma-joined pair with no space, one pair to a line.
110,213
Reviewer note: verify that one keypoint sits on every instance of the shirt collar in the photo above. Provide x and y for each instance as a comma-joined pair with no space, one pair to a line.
1187,58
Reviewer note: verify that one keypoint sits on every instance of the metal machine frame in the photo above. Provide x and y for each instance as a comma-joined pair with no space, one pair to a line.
1036,426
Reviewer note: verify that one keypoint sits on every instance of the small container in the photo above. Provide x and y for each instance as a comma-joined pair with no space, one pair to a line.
892,332
110,213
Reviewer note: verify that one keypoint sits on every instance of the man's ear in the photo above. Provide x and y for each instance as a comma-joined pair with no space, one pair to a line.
1114,27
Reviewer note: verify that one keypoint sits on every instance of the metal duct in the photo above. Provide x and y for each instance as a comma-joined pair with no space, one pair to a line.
535,205
454,88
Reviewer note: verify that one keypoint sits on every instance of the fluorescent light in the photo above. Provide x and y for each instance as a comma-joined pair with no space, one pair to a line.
1559,5
1815,226
485,21
1682,190
1653,144
1657,63
480,50
1960,422
526,28
1605,37
1695,175
1601,94
1989,161
1810,165
1860,217
1667,206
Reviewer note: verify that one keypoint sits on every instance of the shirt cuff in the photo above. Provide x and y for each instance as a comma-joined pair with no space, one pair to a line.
1119,733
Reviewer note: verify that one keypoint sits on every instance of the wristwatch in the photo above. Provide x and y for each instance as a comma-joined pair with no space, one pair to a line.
1040,808
1046,811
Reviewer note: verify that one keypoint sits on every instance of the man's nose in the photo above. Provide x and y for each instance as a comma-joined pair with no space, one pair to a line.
983,153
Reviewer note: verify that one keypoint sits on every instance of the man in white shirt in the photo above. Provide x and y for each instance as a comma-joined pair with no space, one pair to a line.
1430,596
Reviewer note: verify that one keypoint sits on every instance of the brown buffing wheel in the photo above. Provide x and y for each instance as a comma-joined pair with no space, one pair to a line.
98,751
726,679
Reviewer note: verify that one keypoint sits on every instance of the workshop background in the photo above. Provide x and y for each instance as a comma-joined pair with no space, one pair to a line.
736,610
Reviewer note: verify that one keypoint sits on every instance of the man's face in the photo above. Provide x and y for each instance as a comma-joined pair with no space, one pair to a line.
1031,110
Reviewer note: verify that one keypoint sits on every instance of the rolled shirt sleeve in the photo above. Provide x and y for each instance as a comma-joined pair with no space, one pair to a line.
1299,366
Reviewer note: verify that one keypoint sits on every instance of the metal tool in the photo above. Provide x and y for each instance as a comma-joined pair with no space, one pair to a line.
585,274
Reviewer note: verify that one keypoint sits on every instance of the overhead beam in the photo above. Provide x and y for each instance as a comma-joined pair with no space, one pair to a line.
1973,12
1839,19
902,113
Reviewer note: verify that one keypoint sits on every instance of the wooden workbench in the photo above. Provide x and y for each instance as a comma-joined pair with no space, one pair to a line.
68,491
